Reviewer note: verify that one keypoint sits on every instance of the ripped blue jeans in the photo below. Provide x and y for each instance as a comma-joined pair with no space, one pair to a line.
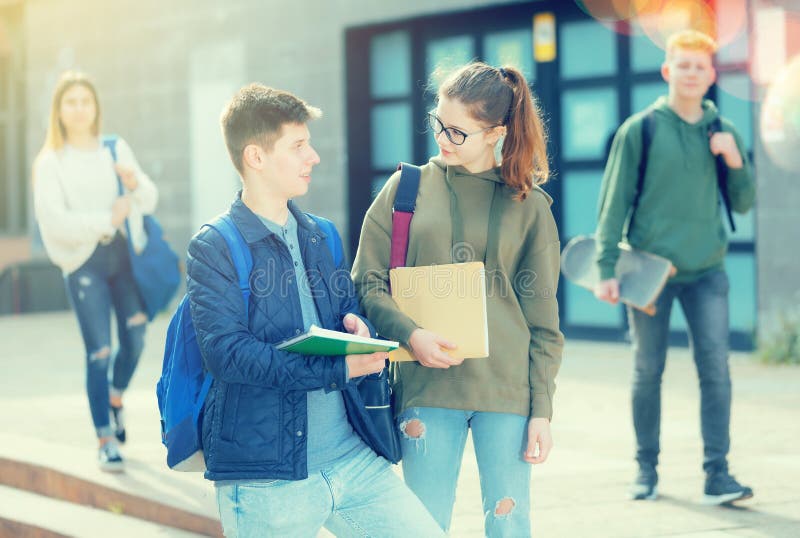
432,461
104,282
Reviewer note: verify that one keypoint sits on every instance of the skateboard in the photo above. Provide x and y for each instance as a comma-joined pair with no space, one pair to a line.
641,275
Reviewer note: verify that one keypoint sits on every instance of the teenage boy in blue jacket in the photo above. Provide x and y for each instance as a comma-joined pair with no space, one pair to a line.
283,432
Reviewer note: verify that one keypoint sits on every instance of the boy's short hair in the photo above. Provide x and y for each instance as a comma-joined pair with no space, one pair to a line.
256,114
690,40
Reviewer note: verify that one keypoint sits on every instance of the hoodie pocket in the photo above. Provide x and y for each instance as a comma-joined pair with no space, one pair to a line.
690,244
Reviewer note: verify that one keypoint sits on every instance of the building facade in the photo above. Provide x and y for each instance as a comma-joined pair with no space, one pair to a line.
164,73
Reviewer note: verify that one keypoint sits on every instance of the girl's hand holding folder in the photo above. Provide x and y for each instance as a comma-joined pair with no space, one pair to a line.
430,349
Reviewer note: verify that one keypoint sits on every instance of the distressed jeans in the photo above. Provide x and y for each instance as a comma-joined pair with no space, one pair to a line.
357,496
432,461
104,282
705,305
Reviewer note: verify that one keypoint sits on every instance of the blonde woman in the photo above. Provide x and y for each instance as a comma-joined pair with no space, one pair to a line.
81,216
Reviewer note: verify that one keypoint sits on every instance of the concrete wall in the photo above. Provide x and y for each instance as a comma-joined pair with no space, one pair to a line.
164,70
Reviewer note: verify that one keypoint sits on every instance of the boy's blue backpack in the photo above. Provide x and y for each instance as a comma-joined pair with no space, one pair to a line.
184,383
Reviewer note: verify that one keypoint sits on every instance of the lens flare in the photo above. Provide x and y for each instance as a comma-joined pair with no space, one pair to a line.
769,45
675,16
731,20
603,10
658,19
789,5
625,9
727,21
780,118
738,86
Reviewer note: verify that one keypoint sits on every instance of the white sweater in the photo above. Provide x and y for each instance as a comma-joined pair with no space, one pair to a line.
73,191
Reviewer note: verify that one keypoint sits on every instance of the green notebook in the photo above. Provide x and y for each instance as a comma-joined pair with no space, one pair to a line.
319,341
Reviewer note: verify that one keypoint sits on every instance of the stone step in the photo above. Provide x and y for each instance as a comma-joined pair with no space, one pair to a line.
25,514
146,490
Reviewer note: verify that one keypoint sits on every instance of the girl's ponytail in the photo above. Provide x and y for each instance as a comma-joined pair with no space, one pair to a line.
525,147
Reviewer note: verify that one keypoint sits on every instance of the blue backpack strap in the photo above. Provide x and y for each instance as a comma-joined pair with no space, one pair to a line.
243,262
334,240
405,199
240,252
110,141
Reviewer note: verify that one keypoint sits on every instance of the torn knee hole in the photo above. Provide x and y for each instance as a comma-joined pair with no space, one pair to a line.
415,429
102,353
137,319
504,507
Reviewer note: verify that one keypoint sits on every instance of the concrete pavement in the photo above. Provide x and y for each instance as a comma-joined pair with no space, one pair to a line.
579,492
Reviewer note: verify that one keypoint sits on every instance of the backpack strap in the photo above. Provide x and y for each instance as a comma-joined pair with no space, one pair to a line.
243,262
648,129
110,142
334,240
405,201
722,173
240,252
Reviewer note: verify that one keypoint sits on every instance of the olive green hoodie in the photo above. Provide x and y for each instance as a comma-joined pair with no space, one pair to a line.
679,216
519,242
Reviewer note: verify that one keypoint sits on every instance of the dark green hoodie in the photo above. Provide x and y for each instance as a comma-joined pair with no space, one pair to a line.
679,216
519,241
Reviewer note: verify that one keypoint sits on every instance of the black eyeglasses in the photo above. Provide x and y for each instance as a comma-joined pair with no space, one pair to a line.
456,136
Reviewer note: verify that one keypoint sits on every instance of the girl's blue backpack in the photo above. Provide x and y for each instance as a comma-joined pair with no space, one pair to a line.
155,269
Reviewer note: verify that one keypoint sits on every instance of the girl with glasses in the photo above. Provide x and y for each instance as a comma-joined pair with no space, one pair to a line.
480,196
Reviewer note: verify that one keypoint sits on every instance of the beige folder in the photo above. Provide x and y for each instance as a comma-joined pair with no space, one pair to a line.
449,300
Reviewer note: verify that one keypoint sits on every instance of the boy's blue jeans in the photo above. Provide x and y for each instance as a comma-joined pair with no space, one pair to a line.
359,495
432,461
705,305
104,282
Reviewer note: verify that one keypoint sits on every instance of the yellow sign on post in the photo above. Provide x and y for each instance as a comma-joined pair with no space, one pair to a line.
544,37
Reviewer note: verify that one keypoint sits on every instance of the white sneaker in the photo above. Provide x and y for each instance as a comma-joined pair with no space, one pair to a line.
109,458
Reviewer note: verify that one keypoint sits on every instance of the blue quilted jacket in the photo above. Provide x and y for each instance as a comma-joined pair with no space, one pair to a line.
255,417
